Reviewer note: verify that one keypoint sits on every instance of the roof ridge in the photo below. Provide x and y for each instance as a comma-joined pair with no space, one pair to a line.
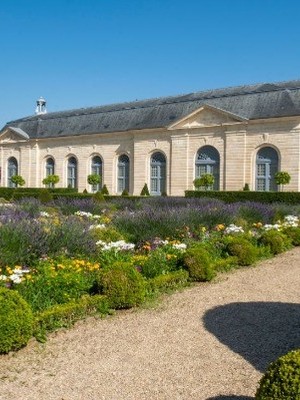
180,98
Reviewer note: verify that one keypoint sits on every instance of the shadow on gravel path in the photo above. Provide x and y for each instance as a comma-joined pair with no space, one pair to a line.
258,331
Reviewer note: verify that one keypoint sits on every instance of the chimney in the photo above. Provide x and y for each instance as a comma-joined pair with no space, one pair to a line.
40,106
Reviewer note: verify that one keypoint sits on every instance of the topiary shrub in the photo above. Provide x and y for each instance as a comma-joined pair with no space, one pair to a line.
125,193
104,190
277,241
282,379
16,321
199,264
123,285
45,196
145,190
241,248
294,234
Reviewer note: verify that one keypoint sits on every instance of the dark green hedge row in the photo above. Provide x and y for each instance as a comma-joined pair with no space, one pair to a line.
261,197
17,193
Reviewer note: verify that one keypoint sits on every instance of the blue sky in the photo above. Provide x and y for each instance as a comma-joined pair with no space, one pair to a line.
81,53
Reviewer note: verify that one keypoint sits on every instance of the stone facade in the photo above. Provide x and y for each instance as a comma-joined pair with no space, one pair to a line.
165,156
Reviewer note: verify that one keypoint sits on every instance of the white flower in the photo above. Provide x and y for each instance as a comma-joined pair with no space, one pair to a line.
233,229
15,278
268,227
179,246
291,220
119,245
3,277
98,226
44,214
84,214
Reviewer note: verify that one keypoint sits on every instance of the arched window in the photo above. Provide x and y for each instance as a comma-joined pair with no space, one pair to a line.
49,167
123,173
208,162
12,169
72,172
157,174
266,168
96,168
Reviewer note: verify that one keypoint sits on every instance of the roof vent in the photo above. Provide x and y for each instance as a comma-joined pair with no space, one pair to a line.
40,106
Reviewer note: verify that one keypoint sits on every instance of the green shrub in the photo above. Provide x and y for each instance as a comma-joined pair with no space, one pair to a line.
145,190
98,196
125,193
168,281
57,282
282,379
45,196
294,234
199,264
104,190
16,321
277,241
158,263
65,315
226,264
123,285
241,248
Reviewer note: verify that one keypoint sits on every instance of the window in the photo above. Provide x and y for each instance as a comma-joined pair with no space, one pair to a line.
49,169
96,168
208,162
12,169
157,174
123,173
72,172
266,168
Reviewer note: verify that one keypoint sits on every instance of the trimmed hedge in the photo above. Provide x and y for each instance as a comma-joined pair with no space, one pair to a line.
65,315
235,196
172,280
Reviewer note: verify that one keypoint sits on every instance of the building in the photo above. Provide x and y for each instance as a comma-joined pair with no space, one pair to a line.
240,134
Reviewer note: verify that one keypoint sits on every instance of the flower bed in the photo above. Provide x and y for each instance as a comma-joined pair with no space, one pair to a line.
68,260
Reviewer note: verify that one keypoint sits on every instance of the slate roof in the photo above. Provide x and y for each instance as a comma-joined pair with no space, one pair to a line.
248,102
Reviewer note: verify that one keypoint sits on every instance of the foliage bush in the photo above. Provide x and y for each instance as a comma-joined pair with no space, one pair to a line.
276,241
145,190
199,263
282,379
57,282
241,248
45,196
168,281
158,262
65,315
104,190
294,234
123,285
16,321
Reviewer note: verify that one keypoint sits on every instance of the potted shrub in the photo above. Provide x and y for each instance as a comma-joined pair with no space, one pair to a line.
51,180
205,181
94,180
282,178
17,180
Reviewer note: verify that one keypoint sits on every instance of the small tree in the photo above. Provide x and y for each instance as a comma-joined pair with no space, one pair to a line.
206,181
51,180
17,180
94,180
145,190
282,178
104,190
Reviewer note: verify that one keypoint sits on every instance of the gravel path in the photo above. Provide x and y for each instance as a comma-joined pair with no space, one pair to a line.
211,341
